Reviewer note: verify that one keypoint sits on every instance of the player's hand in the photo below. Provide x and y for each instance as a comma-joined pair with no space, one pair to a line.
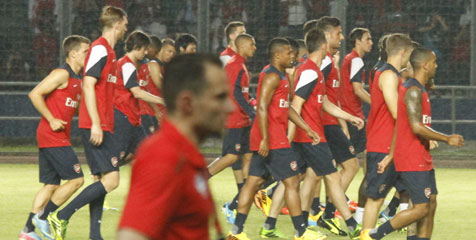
57,124
433,144
314,136
455,140
383,165
96,135
263,148
358,122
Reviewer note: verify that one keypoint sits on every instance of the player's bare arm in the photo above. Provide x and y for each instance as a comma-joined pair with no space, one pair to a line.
57,79
154,71
360,91
413,98
296,104
89,84
145,96
297,119
383,165
388,83
337,112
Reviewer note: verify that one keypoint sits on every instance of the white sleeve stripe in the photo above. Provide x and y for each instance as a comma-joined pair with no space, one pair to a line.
306,77
97,53
325,62
224,59
127,70
356,65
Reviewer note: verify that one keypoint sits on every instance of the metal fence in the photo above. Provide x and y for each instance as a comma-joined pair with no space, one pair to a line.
32,30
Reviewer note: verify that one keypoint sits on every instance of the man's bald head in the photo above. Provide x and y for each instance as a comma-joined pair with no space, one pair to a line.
245,45
242,39
420,56
276,45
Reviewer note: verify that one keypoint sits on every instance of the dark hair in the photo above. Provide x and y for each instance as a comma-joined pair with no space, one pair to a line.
136,40
168,41
186,72
242,37
301,42
184,40
275,45
314,40
309,25
420,56
111,15
397,42
231,28
293,43
327,23
357,34
382,47
155,42
72,43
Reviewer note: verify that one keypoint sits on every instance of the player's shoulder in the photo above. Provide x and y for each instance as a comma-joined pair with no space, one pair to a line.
326,62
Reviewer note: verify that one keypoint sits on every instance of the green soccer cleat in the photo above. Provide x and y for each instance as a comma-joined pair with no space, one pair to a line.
58,226
355,233
273,233
333,225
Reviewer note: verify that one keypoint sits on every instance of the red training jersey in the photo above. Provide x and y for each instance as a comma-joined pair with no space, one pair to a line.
100,63
146,84
62,103
380,124
277,114
226,55
331,76
412,153
124,101
352,70
311,87
239,82
169,197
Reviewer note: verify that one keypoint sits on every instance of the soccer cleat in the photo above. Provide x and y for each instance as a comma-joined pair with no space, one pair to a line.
58,225
43,226
352,205
364,235
402,230
229,214
241,236
263,202
312,219
29,236
284,211
311,234
355,233
333,225
106,207
273,233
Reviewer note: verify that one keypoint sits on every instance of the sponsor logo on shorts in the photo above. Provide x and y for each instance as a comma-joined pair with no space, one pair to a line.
238,147
201,185
427,192
114,161
382,188
293,165
351,149
77,168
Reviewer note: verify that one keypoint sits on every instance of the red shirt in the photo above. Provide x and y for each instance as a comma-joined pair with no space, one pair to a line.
311,87
412,153
124,101
101,64
380,124
226,55
277,114
169,196
352,70
331,76
146,84
62,103
239,82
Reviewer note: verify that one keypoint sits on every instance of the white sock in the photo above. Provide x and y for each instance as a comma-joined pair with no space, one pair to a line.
359,215
403,206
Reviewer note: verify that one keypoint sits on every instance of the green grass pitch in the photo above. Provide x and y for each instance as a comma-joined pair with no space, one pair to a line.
455,216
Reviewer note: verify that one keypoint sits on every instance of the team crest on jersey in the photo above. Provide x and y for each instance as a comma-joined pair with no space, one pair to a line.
114,161
201,185
237,147
351,149
77,168
382,188
427,192
293,165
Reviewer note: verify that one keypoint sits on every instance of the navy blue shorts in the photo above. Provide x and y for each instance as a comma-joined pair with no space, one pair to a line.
420,185
318,157
149,123
379,184
280,164
127,136
236,142
340,145
358,138
103,158
58,163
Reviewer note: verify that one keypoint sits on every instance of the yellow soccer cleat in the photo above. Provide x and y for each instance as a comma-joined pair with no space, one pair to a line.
311,234
262,201
364,235
241,236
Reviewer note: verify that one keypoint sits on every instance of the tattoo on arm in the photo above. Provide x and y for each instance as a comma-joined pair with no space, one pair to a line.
413,103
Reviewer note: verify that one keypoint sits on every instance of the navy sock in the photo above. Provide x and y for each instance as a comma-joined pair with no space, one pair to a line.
392,206
89,194
316,206
270,223
383,230
299,225
240,185
272,190
95,216
414,237
351,223
29,227
329,211
305,216
423,238
234,203
50,207
240,219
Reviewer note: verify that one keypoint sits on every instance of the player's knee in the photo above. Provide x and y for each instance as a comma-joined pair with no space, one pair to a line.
110,181
422,209
51,187
291,183
77,183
